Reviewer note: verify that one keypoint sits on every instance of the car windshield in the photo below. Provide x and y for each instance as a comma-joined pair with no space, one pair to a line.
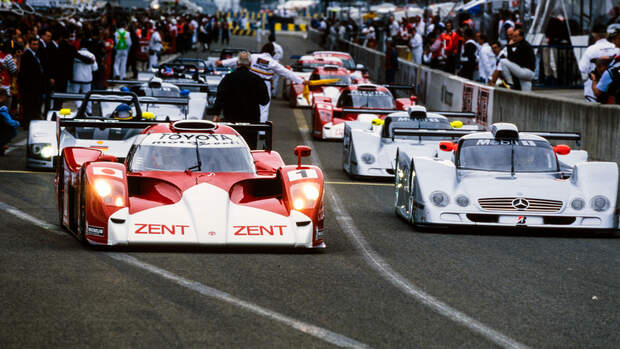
406,123
309,66
366,99
507,155
176,152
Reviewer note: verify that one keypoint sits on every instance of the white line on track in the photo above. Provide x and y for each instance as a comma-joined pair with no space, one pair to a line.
304,327
382,267
16,145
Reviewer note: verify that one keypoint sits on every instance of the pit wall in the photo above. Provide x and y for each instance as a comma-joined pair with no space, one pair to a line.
599,125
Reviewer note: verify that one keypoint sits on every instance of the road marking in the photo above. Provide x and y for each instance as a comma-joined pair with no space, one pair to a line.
321,333
24,172
376,262
360,183
307,328
16,145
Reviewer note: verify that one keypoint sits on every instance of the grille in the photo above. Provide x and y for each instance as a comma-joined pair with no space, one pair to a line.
506,204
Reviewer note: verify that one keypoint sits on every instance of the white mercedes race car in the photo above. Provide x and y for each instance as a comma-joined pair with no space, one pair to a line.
370,144
191,182
45,139
507,178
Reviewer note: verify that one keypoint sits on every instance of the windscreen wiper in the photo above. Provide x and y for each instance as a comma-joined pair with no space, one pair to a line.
198,165
512,160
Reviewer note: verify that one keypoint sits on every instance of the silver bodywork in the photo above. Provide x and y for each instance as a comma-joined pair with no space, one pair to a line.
522,199
367,154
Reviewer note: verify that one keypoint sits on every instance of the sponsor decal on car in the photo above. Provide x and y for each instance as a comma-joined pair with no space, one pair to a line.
160,229
506,142
104,171
189,140
302,174
93,230
259,230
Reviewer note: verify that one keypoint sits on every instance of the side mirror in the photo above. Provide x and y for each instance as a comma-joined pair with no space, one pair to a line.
413,99
561,149
456,124
447,146
302,151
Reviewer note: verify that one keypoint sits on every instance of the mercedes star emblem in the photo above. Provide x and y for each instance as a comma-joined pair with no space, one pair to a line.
520,204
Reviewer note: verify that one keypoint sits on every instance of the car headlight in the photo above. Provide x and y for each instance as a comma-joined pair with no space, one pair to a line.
42,150
305,195
599,203
368,158
462,201
102,187
440,199
578,204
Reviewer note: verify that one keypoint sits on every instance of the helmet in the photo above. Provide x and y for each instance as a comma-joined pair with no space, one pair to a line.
122,112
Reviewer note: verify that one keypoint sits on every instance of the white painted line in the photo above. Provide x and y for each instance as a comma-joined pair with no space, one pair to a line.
307,328
385,270
16,145
319,332
36,221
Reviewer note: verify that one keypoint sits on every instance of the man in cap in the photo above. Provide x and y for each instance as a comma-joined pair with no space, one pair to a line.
265,67
607,88
240,95
601,49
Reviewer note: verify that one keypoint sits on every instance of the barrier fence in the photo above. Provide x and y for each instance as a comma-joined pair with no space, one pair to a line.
599,124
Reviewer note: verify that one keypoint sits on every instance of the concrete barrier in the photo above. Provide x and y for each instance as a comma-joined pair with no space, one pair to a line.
599,125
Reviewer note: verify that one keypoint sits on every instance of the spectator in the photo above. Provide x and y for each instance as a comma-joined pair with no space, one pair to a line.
391,62
518,68
601,49
83,75
8,126
132,55
487,59
122,44
8,69
505,23
450,46
415,45
97,48
393,29
469,62
155,48
31,83
438,58
591,93
607,88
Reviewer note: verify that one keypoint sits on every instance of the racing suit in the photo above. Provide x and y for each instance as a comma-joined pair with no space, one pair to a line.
155,48
263,65
277,57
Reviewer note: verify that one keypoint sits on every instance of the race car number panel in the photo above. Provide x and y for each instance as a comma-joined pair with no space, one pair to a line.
301,174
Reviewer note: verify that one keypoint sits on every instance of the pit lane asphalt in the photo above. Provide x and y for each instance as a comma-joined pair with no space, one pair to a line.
557,290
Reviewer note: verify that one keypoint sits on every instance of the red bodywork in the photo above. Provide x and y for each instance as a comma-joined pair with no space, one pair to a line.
324,110
79,169
291,90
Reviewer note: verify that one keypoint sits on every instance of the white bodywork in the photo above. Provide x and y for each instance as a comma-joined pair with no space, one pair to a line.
216,221
490,198
367,154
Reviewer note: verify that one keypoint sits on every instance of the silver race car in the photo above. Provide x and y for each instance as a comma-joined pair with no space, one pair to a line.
371,144
507,178
44,141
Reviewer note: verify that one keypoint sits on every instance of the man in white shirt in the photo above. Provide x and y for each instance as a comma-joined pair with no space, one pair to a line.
278,54
487,61
265,67
83,76
415,44
601,48
155,48
394,28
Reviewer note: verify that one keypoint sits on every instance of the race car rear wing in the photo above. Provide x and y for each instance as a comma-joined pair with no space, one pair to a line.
140,82
267,127
557,136
96,97
448,114
409,132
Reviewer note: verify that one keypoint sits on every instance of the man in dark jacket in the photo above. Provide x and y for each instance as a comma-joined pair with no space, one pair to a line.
521,62
239,95
62,61
391,61
469,60
31,82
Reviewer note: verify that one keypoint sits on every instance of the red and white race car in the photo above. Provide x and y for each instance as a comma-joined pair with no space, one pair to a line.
190,182
354,101
329,72
303,68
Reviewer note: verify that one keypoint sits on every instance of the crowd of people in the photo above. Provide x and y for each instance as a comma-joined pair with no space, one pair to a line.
40,56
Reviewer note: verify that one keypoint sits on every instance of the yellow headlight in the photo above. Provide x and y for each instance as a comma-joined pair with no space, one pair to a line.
47,151
119,202
298,204
102,187
311,192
